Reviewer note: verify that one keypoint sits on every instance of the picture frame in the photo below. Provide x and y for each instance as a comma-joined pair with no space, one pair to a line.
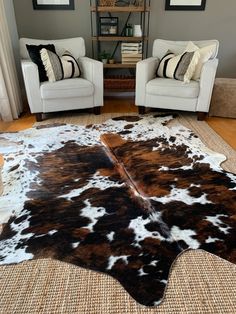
185,5
53,4
108,26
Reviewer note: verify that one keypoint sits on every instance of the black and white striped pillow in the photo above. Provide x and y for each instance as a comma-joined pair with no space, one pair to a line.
59,68
180,67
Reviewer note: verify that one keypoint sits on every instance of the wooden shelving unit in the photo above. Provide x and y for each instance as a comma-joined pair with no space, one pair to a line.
125,14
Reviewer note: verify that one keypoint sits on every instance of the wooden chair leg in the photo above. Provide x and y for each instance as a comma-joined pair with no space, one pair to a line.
39,117
97,110
141,109
201,116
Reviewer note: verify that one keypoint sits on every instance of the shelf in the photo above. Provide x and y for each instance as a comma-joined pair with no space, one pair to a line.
120,9
119,66
118,38
116,80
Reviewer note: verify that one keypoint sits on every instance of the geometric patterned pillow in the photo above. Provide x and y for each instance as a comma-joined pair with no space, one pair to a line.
180,67
59,68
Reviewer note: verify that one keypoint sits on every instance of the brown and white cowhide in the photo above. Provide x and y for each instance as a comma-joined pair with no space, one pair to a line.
125,198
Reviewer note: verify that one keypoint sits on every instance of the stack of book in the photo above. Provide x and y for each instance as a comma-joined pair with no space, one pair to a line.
131,53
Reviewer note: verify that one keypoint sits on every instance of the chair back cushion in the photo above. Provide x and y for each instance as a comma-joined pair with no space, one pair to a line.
160,47
75,45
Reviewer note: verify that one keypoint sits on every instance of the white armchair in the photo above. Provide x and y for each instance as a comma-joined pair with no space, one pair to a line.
69,94
165,93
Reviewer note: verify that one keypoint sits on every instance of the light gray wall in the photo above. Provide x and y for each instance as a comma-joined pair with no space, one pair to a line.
218,21
50,24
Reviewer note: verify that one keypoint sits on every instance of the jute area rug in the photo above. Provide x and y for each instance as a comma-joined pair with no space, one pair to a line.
199,281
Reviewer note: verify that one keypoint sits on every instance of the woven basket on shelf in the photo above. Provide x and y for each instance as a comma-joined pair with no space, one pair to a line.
119,82
107,3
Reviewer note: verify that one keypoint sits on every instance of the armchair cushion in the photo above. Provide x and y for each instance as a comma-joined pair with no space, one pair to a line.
172,88
72,88
59,68
34,53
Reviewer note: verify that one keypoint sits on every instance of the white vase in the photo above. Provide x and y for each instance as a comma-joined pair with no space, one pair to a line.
137,31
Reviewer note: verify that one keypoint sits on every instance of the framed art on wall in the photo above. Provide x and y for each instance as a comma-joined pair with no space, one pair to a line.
185,5
53,4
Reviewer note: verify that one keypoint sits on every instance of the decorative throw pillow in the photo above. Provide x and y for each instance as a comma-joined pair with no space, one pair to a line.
59,68
205,54
180,67
34,53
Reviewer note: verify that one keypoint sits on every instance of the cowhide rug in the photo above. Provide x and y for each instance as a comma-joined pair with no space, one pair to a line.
125,198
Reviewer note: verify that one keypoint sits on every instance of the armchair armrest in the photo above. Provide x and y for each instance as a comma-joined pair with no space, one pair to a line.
92,70
32,85
207,80
145,71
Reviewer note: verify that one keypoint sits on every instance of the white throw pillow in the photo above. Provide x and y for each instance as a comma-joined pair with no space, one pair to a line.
205,54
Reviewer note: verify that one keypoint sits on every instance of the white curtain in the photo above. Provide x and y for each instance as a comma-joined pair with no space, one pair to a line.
10,95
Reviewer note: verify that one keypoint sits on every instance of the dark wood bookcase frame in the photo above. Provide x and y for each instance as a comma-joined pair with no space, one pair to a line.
97,11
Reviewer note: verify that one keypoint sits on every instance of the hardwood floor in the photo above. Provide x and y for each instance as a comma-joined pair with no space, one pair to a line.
225,127
24,122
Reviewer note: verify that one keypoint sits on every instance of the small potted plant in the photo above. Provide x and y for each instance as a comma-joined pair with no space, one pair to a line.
104,57
111,61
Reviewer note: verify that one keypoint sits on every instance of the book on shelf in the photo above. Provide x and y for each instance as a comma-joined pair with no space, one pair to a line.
131,58
127,44
131,51
131,48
